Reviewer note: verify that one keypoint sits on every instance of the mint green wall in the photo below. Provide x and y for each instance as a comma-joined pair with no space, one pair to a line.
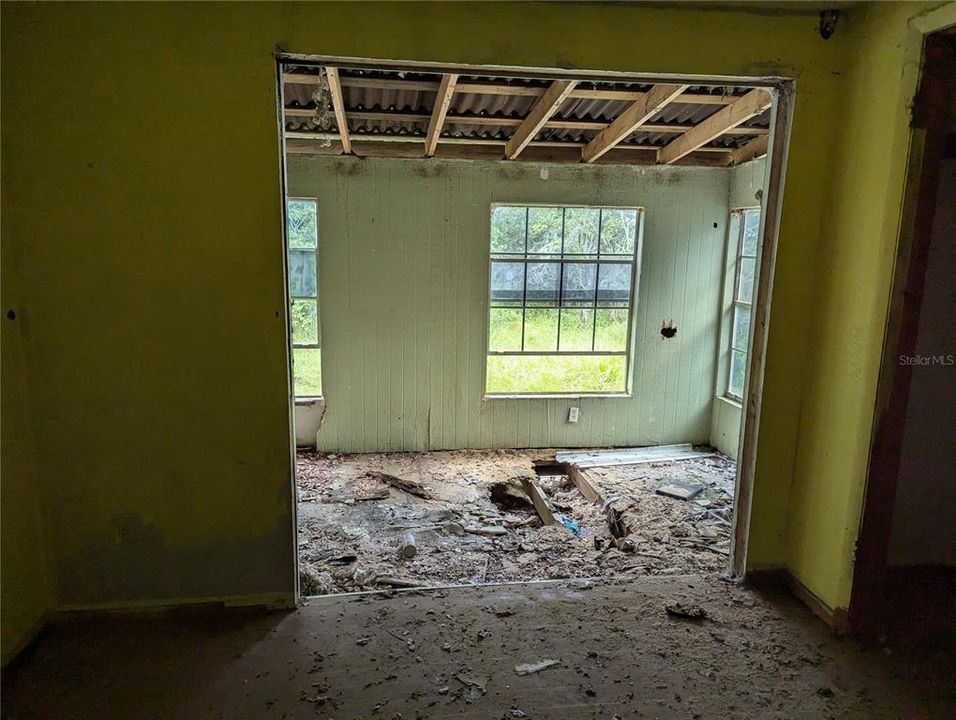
404,283
725,425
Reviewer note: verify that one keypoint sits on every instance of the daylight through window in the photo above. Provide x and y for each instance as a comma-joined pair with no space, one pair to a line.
562,282
304,292
745,227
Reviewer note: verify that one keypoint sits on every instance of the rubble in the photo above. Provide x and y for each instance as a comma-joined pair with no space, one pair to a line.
472,521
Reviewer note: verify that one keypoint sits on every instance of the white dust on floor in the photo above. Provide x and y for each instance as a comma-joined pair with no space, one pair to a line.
348,544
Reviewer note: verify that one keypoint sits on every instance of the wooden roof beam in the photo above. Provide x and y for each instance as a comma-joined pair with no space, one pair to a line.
722,121
542,110
338,105
750,151
630,120
445,90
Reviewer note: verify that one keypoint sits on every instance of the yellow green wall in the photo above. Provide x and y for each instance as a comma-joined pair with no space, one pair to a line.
141,202
27,585
859,231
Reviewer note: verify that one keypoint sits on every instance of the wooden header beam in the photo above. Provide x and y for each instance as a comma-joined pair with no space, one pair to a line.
445,90
405,139
722,121
630,120
543,109
338,105
492,151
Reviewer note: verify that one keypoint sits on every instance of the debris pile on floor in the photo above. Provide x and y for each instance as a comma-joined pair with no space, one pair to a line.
464,517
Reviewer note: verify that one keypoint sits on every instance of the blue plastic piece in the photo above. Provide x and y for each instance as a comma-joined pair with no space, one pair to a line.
570,523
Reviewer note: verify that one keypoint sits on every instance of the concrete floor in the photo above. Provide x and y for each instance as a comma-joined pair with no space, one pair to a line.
453,652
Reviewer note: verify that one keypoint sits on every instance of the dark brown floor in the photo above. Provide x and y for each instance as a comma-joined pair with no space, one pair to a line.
452,653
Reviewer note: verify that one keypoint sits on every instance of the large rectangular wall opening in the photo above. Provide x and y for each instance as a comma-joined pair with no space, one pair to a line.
522,270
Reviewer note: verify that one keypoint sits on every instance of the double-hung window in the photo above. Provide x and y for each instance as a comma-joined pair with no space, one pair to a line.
303,231
745,229
561,299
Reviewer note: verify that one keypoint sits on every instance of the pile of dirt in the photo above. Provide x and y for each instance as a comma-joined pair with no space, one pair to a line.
471,522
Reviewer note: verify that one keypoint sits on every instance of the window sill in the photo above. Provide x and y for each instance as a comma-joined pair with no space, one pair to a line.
307,401
731,401
553,396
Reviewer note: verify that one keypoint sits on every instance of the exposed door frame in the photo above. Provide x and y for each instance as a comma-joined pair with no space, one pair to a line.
932,114
782,90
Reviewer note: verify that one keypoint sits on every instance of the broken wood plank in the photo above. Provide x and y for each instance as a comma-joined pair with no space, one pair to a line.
398,582
486,530
585,485
539,500
413,487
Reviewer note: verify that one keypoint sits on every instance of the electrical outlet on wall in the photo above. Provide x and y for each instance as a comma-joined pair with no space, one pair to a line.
573,414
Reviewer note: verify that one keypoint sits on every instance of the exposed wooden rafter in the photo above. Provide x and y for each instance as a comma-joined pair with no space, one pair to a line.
630,120
725,119
753,149
454,116
542,110
445,91
338,105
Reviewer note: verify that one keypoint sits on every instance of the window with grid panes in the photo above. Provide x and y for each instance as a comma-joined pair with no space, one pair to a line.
745,227
561,299
302,223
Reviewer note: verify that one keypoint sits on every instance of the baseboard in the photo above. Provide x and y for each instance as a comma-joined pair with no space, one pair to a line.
781,578
26,640
270,601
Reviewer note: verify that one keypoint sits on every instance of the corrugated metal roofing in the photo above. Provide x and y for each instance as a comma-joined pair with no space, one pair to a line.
503,111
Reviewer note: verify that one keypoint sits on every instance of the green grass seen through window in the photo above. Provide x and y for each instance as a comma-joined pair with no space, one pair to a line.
528,374
307,371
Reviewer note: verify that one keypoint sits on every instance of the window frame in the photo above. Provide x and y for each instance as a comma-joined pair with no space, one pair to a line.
735,302
595,258
317,345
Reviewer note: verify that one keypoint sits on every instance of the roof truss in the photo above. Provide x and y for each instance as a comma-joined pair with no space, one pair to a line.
390,112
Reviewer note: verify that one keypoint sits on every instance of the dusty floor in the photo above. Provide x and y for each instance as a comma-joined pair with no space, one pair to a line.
349,536
452,654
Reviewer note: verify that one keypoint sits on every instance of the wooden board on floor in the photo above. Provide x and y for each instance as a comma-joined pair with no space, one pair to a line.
585,484
539,500
631,456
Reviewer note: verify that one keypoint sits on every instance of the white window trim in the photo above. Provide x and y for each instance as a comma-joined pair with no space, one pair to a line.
735,303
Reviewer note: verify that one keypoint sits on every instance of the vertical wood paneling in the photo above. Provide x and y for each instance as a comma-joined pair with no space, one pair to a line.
404,283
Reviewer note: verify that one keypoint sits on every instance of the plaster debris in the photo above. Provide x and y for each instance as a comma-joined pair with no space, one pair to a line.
683,610
535,667
471,520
